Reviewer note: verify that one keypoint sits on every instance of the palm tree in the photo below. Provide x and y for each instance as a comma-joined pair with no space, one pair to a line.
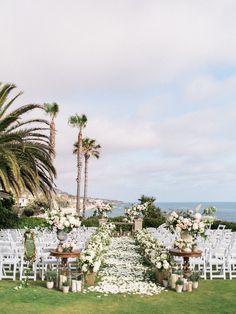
52,110
79,122
25,162
89,148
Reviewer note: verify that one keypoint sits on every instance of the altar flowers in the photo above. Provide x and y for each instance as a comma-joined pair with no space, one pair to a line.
62,221
189,225
103,209
135,211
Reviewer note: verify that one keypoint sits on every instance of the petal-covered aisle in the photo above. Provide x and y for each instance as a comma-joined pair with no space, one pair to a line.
123,270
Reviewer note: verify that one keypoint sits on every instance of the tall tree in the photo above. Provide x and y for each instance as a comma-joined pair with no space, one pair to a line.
90,149
80,123
25,162
52,110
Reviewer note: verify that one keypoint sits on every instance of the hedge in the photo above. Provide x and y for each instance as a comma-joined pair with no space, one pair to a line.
228,224
30,222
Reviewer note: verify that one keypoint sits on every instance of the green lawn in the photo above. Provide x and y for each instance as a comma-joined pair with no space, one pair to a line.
216,297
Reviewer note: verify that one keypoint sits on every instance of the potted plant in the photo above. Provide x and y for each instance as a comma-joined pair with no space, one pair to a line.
195,278
65,286
179,285
50,278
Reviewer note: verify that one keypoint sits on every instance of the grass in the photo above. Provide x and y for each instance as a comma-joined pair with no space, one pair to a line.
216,297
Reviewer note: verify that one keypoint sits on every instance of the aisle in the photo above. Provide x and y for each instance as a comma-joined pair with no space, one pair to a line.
123,270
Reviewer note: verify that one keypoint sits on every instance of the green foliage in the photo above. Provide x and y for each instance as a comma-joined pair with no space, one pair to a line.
228,224
195,276
153,222
51,276
152,210
31,223
123,227
25,162
179,282
66,283
37,206
28,212
147,199
90,222
8,219
51,109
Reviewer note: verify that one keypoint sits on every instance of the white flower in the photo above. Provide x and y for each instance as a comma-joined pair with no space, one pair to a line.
198,216
195,226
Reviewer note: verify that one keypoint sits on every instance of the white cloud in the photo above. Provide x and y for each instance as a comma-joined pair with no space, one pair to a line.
175,121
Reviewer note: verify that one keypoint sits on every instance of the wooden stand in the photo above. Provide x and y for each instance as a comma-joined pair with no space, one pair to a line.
186,256
64,264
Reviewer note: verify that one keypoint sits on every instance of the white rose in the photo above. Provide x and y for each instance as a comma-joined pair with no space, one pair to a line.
198,216
195,226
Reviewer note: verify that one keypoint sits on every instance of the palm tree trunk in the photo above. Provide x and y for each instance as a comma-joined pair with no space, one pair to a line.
52,138
52,153
79,168
86,159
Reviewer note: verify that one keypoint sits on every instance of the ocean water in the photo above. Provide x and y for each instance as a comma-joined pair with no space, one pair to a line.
225,210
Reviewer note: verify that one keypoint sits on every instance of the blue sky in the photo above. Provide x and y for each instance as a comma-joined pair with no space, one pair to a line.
157,80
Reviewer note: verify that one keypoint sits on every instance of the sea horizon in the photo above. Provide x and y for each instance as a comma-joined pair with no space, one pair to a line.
224,210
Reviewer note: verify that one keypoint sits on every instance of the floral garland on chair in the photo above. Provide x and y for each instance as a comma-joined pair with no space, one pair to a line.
154,252
91,256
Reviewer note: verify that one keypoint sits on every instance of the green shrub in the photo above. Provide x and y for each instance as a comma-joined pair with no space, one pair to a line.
28,212
228,224
90,222
123,227
8,219
31,222
152,222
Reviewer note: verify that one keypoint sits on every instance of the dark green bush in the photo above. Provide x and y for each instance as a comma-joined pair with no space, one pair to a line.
31,222
120,227
8,219
28,212
152,222
228,224
90,222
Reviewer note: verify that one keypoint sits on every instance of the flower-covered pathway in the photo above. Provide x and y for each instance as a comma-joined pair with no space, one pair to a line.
124,271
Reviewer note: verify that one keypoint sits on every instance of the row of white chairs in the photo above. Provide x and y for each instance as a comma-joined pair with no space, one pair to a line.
12,261
218,258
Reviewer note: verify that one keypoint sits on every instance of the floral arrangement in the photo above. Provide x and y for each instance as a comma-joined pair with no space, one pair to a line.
69,246
154,251
189,225
103,209
91,256
195,224
56,219
135,212
184,245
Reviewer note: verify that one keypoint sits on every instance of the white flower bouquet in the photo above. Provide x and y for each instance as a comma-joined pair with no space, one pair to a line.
195,224
103,209
56,219
135,212
69,246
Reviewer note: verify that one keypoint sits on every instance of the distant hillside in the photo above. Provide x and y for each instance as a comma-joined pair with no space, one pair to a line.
66,199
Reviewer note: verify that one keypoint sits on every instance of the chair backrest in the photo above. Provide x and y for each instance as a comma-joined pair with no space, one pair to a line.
221,227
